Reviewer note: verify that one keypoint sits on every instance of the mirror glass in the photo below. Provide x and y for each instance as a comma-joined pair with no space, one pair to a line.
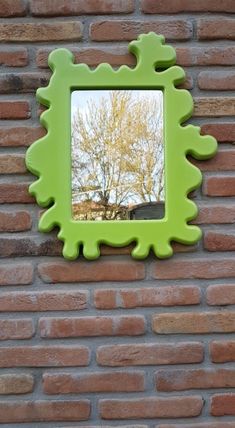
117,154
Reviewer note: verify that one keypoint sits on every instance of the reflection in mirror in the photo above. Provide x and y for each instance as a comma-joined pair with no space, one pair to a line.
117,154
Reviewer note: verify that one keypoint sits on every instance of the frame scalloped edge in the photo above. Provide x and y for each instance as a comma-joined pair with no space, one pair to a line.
49,157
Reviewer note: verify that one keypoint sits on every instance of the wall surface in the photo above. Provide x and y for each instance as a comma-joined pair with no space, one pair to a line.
116,342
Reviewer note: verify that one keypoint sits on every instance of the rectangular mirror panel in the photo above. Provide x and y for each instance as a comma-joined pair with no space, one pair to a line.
117,152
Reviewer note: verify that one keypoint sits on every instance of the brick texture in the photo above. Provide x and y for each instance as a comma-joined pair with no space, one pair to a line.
81,7
174,407
16,384
65,383
116,341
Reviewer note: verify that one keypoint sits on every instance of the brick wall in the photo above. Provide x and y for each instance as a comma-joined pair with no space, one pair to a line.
116,342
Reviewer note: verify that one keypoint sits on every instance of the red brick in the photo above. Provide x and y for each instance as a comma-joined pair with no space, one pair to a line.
214,106
223,404
213,29
44,356
199,425
180,29
81,7
12,164
220,294
30,246
41,31
217,80
219,186
17,57
197,322
11,83
200,268
14,109
151,407
219,240
20,136
224,160
92,326
91,56
205,55
216,214
182,380
223,132
70,383
44,411
36,301
11,193
13,383
139,297
16,221
150,354
16,274
102,270
16,329
172,6
9,8
222,351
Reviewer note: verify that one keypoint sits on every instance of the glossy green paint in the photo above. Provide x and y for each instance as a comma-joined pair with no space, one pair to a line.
50,157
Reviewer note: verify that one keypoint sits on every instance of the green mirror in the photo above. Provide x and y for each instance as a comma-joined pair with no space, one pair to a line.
113,167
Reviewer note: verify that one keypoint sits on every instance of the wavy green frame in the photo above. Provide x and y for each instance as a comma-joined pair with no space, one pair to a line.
50,157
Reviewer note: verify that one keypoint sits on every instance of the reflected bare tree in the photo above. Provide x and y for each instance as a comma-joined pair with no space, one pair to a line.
117,155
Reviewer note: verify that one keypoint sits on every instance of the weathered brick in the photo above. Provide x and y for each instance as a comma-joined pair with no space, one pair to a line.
16,329
70,383
181,380
172,6
11,83
197,322
151,407
216,214
16,221
54,272
139,297
212,29
220,294
91,56
180,29
217,80
222,351
223,132
14,109
199,425
81,7
16,274
200,268
92,326
30,246
205,55
44,411
36,301
40,32
219,186
44,356
10,8
12,164
14,383
223,404
150,354
224,160
15,193
214,106
17,57
219,240
20,135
